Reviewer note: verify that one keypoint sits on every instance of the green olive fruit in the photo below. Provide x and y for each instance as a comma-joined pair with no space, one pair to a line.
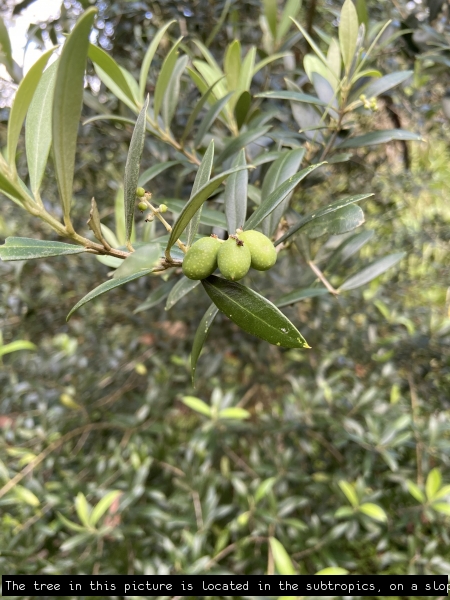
200,260
142,206
140,192
262,251
234,259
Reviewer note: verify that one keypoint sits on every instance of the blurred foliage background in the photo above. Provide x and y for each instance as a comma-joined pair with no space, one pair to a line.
361,420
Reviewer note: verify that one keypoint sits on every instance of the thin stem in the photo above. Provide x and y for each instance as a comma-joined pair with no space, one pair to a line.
157,213
165,137
322,278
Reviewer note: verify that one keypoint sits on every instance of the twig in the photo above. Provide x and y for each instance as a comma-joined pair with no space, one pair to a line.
322,278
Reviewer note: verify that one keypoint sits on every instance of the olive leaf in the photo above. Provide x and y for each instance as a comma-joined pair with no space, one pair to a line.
20,248
253,313
201,335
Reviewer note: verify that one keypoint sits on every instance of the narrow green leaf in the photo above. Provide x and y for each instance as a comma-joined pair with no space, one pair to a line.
372,271
157,296
200,336
301,294
442,493
25,495
209,58
172,93
132,169
247,70
332,571
19,248
194,204
108,118
232,64
197,405
38,127
83,509
382,85
16,347
235,197
5,47
179,290
363,16
277,196
116,82
70,524
270,12
240,141
266,61
433,483
373,511
235,413
154,171
242,107
164,77
344,512
415,491
67,103
379,137
284,167
144,258
208,216
441,507
311,42
348,33
281,558
75,541
106,287
292,96
343,220
349,492
291,9
320,213
349,247
103,505
264,488
22,100
201,179
149,57
198,107
94,221
266,157
209,118
253,313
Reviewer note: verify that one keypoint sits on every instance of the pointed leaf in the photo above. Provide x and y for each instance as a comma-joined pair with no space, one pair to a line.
103,505
349,247
19,248
281,558
157,296
441,507
291,9
379,137
132,169
198,107
154,171
194,204
298,295
83,509
179,290
197,405
200,336
22,100
382,85
433,483
75,541
108,118
25,495
232,64
172,93
94,221
348,33
415,491
264,488
144,258
349,491
38,127
253,313
235,197
247,70
292,96
373,511
16,346
270,12
149,56
106,287
332,571
202,177
343,220
164,77
277,196
284,167
210,117
234,413
242,107
320,213
208,216
70,524
240,141
372,271
67,103
443,492
116,81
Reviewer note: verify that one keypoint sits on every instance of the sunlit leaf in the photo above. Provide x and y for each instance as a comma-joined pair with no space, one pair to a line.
111,75
83,509
349,491
197,405
373,511
103,505
16,346
415,491
264,488
234,413
433,483
281,558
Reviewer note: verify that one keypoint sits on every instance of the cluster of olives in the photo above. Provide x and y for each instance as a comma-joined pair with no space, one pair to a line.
234,257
